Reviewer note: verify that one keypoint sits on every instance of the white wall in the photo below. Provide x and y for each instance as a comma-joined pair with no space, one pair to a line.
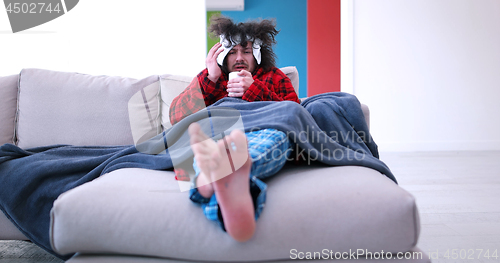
430,72
112,37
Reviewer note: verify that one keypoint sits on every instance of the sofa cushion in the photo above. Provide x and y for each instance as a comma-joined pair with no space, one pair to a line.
8,231
72,108
142,212
8,105
173,85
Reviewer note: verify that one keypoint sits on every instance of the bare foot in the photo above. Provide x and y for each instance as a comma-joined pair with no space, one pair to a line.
233,191
229,168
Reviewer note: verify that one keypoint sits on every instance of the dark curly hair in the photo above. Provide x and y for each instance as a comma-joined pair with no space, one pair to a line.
263,29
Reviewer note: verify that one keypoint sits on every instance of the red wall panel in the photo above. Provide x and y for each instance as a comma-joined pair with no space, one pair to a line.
323,46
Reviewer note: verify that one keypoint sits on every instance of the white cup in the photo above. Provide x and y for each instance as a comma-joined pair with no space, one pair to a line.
233,75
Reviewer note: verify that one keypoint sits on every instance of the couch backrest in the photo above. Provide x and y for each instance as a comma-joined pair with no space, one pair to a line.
71,108
8,105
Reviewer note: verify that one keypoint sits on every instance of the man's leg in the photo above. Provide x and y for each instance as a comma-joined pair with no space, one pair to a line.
225,167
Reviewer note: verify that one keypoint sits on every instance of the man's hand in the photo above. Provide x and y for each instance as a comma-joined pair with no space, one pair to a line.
238,86
214,70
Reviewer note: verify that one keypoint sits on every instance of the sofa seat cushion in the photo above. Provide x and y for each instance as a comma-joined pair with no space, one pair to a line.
78,109
142,212
8,231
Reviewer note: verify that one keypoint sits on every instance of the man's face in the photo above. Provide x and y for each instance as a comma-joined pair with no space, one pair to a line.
241,58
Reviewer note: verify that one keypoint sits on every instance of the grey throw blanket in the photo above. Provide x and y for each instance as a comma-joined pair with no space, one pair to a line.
32,179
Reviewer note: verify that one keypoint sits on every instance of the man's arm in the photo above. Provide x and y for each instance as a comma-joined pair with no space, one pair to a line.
204,90
188,102
274,86
200,93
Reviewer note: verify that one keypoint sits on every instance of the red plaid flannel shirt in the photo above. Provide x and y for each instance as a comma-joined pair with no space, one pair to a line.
273,85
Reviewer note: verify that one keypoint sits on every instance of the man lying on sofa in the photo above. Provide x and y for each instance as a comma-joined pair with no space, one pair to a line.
228,183
225,194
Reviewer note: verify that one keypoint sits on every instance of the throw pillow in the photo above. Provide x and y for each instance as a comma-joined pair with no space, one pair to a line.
144,113
171,87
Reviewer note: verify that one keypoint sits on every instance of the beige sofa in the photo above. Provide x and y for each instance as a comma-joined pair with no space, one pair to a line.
139,215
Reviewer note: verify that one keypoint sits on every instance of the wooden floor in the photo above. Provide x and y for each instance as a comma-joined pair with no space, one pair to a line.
457,193
458,197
